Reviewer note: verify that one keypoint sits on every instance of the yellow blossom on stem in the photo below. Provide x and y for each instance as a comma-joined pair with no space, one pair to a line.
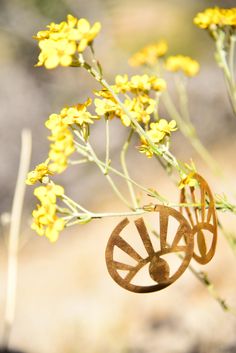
187,180
107,107
61,148
78,114
54,53
45,220
60,43
62,145
138,103
149,54
40,171
48,194
157,132
182,63
87,33
212,17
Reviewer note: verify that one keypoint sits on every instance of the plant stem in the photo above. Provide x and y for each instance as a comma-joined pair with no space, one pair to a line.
13,245
73,205
81,161
189,132
105,215
231,57
125,170
221,54
103,170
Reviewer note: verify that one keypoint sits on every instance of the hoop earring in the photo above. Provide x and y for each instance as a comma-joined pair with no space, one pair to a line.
159,270
201,219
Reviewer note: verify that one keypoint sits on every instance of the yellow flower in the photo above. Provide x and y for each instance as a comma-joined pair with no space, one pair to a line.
48,194
186,64
149,54
157,84
54,53
157,132
60,42
106,107
216,16
139,105
146,83
161,129
38,173
78,114
187,180
62,138
45,220
61,148
140,82
87,33
122,84
53,122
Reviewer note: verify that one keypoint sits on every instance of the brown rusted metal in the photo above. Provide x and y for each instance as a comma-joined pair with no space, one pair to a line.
202,218
158,268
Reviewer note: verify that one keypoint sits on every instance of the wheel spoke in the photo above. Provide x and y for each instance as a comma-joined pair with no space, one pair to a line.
124,267
194,201
123,245
178,236
163,228
140,225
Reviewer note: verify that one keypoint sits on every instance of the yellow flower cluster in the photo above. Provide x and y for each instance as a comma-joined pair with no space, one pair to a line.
62,145
186,64
216,17
138,102
157,133
60,42
149,54
45,220
38,173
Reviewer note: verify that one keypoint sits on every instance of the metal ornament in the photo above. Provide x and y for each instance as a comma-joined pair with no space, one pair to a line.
201,218
159,270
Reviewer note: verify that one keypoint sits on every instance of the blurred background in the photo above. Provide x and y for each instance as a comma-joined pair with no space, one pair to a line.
66,301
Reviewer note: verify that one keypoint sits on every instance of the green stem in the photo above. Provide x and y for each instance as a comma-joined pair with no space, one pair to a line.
156,195
189,132
180,84
81,161
125,169
222,63
105,215
90,158
73,205
231,57
103,170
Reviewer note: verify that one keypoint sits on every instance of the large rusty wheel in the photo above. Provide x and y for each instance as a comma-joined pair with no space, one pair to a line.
159,270
202,218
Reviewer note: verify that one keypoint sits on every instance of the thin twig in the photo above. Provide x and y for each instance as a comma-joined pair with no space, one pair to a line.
17,207
125,169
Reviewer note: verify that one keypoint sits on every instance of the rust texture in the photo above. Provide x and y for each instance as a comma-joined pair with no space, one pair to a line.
202,218
159,270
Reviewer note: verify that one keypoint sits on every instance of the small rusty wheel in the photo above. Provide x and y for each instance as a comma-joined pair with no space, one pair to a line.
201,218
159,268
